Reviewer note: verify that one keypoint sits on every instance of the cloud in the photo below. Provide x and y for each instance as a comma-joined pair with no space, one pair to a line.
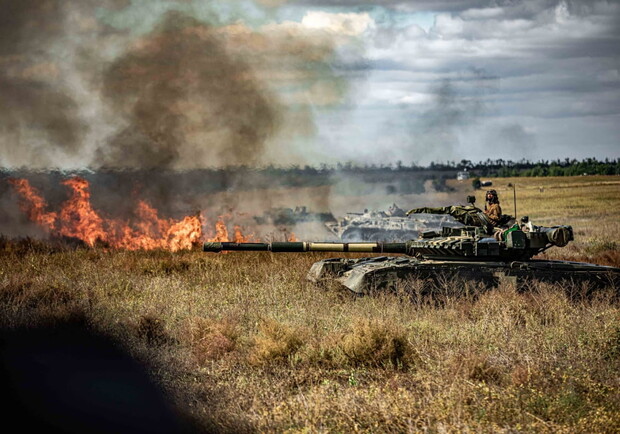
549,59
351,24
418,5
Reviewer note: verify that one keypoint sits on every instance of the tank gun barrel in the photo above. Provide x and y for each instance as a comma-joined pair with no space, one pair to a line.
307,247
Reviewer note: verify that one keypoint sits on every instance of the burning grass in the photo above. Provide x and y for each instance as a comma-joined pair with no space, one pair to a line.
243,343
144,230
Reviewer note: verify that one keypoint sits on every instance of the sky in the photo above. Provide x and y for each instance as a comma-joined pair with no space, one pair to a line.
203,83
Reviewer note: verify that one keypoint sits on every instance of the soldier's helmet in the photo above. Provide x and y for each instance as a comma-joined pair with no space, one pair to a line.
491,196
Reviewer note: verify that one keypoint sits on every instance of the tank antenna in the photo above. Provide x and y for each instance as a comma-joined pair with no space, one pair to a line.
514,196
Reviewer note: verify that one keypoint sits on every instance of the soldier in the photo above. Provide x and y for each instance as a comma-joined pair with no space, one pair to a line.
492,209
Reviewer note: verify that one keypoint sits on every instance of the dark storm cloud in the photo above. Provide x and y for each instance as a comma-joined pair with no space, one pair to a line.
476,9
428,5
552,61
557,53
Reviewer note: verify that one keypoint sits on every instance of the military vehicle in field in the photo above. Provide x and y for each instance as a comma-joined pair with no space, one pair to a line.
390,225
288,216
474,251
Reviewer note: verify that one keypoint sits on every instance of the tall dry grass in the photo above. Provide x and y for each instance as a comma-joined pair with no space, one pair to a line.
243,343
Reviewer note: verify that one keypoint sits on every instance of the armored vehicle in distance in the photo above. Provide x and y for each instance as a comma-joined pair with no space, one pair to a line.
390,225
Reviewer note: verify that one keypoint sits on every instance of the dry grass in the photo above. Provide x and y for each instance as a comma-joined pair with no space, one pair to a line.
243,343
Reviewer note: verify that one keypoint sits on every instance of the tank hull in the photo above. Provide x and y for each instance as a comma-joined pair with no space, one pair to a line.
367,275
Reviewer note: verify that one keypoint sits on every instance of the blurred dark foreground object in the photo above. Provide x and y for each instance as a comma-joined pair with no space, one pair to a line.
67,378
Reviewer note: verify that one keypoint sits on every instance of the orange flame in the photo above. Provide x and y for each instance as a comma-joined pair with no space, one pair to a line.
33,205
78,219
240,238
221,232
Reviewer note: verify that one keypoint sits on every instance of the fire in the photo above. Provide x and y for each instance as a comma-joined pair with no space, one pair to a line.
221,231
292,238
33,205
240,238
78,219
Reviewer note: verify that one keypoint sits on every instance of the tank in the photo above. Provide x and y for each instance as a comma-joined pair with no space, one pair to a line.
475,251
390,225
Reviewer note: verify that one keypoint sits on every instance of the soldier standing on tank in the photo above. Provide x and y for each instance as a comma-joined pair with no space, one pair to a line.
491,208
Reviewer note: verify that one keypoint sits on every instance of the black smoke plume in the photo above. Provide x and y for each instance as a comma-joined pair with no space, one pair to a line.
34,107
186,99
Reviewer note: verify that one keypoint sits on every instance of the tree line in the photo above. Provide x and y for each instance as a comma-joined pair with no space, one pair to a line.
487,168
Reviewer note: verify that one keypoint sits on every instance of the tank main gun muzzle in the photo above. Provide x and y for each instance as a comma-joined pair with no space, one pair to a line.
559,235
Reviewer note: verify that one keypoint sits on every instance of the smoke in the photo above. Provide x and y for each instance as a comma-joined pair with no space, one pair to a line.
516,141
33,114
195,86
27,25
35,109
457,106
199,89
186,99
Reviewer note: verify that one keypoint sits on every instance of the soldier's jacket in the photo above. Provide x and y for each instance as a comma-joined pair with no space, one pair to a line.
494,212
468,215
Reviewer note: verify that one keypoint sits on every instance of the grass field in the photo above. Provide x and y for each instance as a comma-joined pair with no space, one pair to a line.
242,342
